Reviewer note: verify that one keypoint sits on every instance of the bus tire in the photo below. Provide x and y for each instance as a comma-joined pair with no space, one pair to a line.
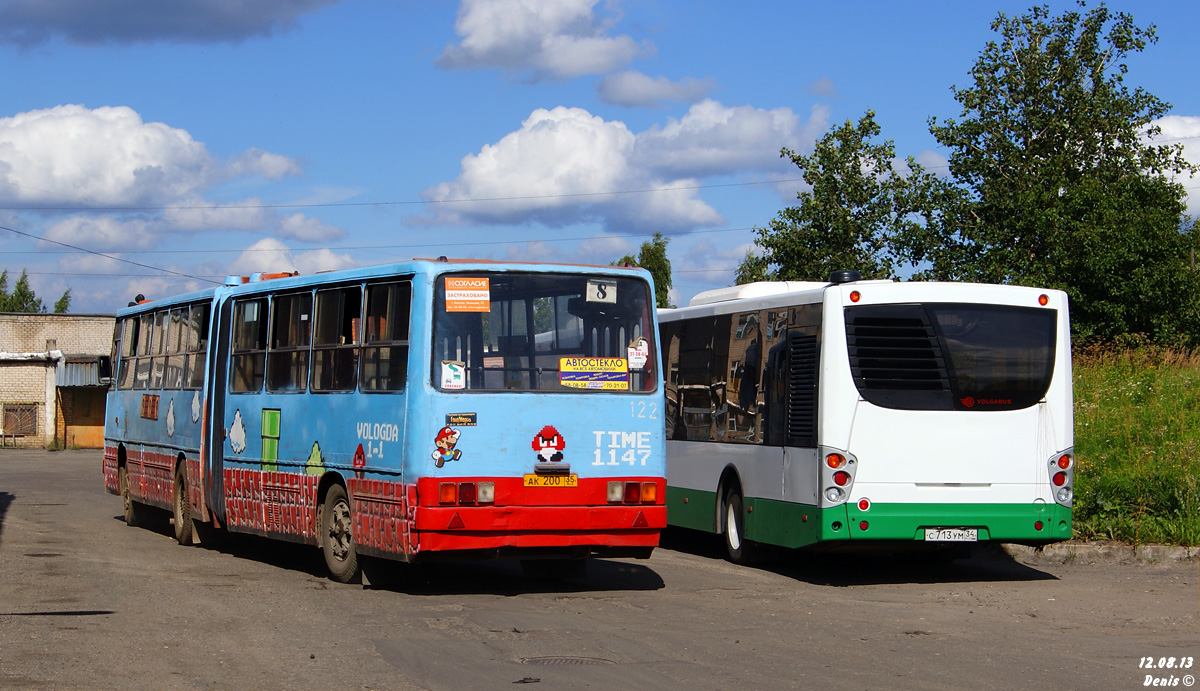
182,512
337,536
133,510
737,549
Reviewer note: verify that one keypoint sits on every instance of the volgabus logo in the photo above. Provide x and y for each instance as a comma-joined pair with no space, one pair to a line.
971,402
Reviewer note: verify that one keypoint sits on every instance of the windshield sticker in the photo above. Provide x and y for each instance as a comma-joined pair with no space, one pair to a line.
445,441
639,353
467,294
549,445
602,290
454,374
605,373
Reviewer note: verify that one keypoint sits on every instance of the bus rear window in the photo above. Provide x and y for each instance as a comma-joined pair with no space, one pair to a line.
949,356
543,332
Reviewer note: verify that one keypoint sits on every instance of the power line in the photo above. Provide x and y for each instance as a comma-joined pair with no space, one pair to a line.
393,247
464,200
107,256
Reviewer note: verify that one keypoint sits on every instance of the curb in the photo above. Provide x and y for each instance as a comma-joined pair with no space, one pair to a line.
1073,552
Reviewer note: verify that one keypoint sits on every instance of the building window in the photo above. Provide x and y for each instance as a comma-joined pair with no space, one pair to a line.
20,418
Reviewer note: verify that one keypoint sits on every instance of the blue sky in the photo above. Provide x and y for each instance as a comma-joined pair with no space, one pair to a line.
201,138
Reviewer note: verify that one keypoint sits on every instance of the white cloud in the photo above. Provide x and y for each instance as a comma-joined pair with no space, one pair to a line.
600,250
70,155
102,234
107,156
263,163
566,166
308,229
1183,129
633,89
714,139
553,39
272,256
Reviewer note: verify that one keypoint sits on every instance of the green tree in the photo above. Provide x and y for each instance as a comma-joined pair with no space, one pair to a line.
653,257
23,299
851,217
1056,181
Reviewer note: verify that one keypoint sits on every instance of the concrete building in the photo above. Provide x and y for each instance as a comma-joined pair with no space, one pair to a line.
54,373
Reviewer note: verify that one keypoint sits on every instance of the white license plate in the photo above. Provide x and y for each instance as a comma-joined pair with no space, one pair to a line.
951,534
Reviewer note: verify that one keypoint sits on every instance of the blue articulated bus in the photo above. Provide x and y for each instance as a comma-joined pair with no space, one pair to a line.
429,409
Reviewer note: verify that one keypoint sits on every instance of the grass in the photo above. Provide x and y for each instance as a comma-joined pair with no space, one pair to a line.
1137,445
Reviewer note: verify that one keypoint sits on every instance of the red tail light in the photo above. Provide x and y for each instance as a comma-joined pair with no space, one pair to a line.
840,478
633,492
864,504
1059,479
466,493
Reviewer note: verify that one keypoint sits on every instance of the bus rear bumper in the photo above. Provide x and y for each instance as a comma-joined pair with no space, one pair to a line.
588,530
1034,523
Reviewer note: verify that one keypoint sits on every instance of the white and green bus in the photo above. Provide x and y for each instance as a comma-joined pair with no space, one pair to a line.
859,412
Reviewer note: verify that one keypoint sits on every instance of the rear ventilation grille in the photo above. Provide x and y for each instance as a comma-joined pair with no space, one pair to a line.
802,389
895,356
895,352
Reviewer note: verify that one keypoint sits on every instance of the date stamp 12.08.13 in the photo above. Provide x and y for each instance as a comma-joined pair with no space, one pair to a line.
1167,671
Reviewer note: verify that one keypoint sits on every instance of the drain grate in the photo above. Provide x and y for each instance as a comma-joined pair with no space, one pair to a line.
559,660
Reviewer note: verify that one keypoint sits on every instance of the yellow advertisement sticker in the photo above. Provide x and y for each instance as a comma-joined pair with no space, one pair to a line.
604,373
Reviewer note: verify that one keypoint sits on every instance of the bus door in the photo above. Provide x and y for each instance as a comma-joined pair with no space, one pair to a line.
214,476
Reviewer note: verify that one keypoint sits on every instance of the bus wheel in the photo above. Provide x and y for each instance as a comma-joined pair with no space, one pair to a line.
337,536
736,547
133,511
179,506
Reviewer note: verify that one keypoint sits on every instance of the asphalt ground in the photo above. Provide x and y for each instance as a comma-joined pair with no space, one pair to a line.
89,603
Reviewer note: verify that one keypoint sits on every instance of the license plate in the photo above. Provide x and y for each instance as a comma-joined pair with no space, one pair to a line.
551,480
951,534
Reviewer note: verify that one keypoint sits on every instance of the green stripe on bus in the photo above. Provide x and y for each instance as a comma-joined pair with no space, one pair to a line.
692,508
788,524
795,525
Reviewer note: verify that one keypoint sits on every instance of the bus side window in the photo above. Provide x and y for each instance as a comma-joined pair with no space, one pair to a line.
291,335
196,346
745,372
336,339
158,349
128,353
385,345
175,358
696,407
145,328
249,345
